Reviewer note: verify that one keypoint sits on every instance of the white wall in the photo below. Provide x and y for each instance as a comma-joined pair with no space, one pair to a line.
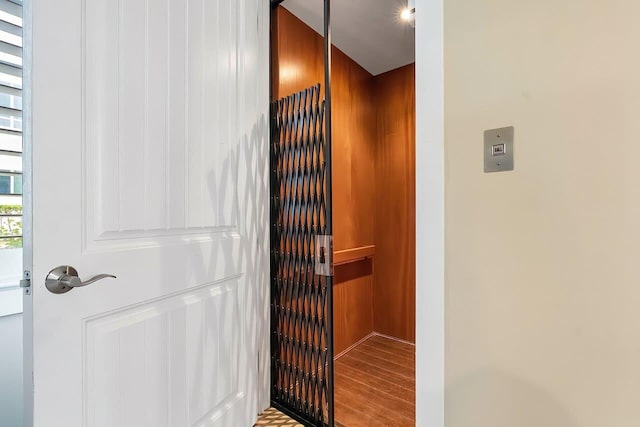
543,263
11,371
10,275
10,266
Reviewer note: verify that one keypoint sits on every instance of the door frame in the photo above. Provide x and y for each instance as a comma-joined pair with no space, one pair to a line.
430,217
27,211
430,214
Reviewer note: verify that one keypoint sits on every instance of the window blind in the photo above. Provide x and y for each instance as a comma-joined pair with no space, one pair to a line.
10,125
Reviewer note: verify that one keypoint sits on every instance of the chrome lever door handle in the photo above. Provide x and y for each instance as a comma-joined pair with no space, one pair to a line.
75,282
62,279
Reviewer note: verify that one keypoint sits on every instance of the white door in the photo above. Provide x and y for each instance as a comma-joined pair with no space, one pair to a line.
149,152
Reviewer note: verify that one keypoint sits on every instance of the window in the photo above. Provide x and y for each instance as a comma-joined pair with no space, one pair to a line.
10,155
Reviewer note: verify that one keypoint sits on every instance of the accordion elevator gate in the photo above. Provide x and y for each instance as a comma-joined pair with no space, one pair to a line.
301,250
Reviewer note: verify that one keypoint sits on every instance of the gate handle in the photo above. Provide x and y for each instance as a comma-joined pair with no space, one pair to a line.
62,279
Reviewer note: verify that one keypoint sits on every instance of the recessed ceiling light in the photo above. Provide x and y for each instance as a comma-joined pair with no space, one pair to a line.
407,14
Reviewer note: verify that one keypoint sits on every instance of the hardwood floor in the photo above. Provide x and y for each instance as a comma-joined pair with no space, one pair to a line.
375,384
374,387
274,418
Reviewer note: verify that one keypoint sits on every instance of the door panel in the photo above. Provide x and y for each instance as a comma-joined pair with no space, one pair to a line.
149,156
176,349
159,139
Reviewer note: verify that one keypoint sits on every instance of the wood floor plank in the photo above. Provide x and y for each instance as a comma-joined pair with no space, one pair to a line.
375,384
383,368
348,416
375,371
408,355
396,346
378,383
406,368
274,418
370,393
372,410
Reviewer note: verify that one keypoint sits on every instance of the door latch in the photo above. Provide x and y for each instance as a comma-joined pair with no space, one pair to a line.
323,255
25,283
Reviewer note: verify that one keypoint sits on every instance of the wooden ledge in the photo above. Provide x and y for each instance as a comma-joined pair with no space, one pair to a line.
353,255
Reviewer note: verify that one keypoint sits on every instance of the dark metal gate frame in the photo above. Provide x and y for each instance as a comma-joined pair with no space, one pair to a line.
329,203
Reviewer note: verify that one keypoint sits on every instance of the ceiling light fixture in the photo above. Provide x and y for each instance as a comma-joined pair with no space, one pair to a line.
408,14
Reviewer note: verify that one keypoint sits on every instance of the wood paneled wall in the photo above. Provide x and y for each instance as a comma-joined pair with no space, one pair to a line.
394,288
298,60
299,63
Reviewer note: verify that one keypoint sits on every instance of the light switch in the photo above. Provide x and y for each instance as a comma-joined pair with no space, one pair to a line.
498,149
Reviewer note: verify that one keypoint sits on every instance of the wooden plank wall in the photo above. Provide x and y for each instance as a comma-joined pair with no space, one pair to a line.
298,63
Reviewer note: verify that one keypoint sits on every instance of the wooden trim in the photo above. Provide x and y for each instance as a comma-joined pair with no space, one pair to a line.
354,345
389,337
353,255
371,335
